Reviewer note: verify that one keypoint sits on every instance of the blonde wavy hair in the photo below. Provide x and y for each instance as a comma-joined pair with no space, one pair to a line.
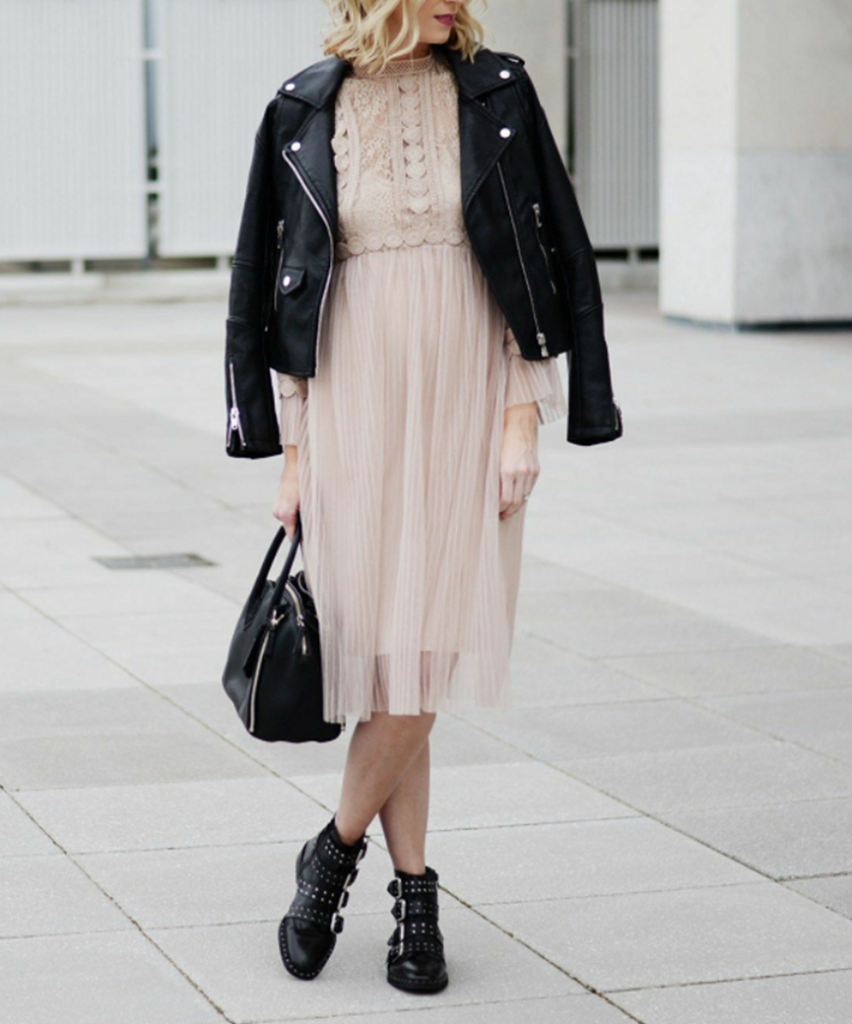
359,31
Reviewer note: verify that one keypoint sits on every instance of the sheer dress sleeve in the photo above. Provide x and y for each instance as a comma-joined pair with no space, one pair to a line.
294,394
530,380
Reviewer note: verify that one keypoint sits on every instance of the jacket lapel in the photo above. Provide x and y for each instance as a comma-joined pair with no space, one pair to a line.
483,136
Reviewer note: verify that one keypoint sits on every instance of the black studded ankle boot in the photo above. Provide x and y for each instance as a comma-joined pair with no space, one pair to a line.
415,961
325,869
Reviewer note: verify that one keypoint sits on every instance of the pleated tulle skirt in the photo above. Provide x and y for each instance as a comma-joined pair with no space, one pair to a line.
414,574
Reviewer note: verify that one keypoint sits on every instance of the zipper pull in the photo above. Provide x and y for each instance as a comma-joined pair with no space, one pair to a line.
280,261
537,210
542,343
302,644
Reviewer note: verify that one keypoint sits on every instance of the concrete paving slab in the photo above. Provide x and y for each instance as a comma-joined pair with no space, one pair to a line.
478,796
808,837
486,965
225,884
21,835
644,940
52,896
544,675
791,1000
528,863
599,730
667,629
834,892
97,979
211,813
749,670
579,1009
807,716
163,647
127,593
452,741
179,755
38,654
754,774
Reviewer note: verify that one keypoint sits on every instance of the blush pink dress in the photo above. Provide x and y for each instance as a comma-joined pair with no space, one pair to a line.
414,575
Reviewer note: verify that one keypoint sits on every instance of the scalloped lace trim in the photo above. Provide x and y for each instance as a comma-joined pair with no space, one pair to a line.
396,152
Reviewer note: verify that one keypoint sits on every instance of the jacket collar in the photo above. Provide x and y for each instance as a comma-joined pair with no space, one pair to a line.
318,84
483,135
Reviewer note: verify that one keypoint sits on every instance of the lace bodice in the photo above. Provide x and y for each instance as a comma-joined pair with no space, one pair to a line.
397,156
396,151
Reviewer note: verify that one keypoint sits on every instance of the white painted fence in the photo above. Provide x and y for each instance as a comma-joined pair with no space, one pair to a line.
72,140
616,121
75,120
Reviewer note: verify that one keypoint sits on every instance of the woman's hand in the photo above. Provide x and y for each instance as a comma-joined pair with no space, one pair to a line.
286,507
519,467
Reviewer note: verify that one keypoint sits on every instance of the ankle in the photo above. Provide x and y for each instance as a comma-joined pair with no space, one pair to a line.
410,869
347,837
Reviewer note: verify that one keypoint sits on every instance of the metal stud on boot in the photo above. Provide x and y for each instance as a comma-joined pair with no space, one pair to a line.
415,961
325,869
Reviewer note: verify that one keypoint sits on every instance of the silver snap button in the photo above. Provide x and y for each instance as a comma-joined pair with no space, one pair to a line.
505,74
290,86
286,281
295,146
505,133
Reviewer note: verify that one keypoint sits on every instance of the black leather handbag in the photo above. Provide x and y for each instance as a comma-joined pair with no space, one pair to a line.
273,673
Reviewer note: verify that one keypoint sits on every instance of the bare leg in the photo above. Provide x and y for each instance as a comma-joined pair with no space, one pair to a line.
405,815
380,753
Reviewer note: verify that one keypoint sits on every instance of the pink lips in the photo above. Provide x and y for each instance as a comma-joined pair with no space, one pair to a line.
446,19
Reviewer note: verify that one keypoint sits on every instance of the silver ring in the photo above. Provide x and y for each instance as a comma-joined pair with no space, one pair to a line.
526,497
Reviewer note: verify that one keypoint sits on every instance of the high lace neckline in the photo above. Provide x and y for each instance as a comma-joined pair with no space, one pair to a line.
399,66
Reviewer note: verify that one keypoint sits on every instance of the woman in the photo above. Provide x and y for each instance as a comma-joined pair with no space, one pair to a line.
411,260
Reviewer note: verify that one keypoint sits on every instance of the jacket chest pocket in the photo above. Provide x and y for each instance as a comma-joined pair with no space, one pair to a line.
289,279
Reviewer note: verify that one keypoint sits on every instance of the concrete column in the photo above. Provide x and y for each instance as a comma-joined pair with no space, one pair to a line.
756,160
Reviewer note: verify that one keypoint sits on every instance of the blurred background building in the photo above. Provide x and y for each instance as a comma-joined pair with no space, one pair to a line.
710,143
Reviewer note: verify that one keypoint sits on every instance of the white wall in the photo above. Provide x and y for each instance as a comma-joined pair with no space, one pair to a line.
756,160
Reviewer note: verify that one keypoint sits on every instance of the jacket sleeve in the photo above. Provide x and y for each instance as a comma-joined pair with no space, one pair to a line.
252,426
594,415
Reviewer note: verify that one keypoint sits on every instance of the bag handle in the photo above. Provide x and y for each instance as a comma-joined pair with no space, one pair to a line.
263,573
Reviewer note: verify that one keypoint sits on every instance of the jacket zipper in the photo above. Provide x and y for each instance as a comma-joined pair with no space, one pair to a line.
539,336
318,208
537,211
235,422
280,261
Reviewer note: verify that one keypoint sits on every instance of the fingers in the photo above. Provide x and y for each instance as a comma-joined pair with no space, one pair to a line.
288,515
514,484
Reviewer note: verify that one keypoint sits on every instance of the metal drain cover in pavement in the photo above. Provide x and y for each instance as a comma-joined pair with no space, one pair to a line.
178,561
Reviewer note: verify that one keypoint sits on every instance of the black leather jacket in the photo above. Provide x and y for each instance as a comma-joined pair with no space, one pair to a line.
519,210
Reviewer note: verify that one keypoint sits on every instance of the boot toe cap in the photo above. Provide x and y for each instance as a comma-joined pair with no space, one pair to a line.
421,972
304,947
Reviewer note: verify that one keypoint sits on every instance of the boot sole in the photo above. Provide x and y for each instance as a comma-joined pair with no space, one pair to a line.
418,986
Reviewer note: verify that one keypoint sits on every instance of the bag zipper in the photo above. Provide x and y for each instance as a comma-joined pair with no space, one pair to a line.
300,617
537,211
280,230
273,622
539,336
319,210
235,422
